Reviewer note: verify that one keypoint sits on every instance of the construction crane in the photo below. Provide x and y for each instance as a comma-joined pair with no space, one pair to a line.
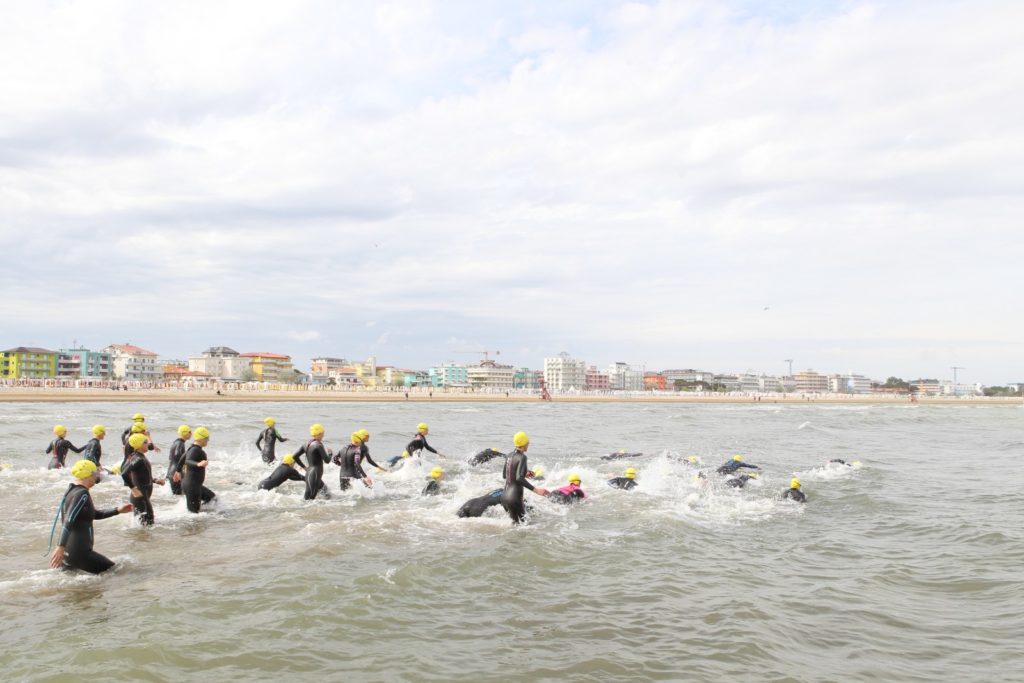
790,361
956,390
484,352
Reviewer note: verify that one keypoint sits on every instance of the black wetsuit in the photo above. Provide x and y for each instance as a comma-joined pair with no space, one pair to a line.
265,442
485,455
60,447
280,475
739,482
795,494
77,513
573,496
475,507
350,460
432,488
841,462
93,451
619,456
175,461
732,465
138,473
315,471
516,468
192,480
623,483
418,443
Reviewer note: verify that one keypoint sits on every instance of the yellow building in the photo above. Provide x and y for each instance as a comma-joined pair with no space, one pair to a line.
270,367
27,362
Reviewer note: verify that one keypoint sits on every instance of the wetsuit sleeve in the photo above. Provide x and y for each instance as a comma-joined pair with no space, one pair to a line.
427,445
295,476
744,464
298,457
279,437
366,456
521,471
104,514
72,447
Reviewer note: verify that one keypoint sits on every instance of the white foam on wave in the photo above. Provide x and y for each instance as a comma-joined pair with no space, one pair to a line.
829,472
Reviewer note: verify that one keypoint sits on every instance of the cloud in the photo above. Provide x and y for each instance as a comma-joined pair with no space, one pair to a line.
304,336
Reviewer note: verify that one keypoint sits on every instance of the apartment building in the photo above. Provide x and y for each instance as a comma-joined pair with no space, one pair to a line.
27,362
133,364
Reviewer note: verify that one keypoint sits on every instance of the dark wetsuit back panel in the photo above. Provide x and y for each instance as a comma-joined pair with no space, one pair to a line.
475,507
516,468
622,483
280,475
76,537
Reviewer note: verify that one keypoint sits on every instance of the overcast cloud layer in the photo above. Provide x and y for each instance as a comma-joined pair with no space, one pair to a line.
678,184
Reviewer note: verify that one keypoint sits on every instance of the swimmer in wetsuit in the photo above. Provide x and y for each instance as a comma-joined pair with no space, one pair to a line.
350,459
475,507
59,447
736,463
74,549
572,493
621,454
137,428
516,468
138,474
266,440
486,455
794,492
318,455
136,419
627,481
284,472
433,486
741,480
93,451
418,443
193,472
176,459
536,474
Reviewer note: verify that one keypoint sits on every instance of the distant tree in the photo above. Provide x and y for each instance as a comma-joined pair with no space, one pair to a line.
1000,391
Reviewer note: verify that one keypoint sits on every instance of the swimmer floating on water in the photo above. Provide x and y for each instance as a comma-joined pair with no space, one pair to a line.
740,480
433,486
571,493
74,549
266,440
486,455
627,481
736,463
794,492
620,454
516,467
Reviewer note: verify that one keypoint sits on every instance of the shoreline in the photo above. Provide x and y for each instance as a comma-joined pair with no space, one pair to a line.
51,395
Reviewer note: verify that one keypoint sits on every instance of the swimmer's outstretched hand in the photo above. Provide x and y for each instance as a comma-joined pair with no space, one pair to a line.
367,482
127,507
159,482
541,492
176,477
57,559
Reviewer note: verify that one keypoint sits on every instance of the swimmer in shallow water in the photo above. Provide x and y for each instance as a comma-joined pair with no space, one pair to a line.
620,454
486,455
516,467
433,486
794,492
267,439
741,480
59,447
736,463
286,471
350,460
176,459
138,474
627,481
571,493
318,455
194,472
75,548
93,450
475,507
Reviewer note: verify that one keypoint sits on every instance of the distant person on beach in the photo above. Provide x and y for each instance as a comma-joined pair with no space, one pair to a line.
176,459
75,548
516,467
350,459
286,471
93,449
794,492
627,481
571,493
475,507
194,472
485,455
433,486
318,455
59,447
736,463
138,474
266,440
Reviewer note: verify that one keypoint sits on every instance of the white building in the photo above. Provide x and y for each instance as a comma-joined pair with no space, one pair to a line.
564,373
624,377
769,383
490,375
849,384
689,375
223,363
810,382
134,364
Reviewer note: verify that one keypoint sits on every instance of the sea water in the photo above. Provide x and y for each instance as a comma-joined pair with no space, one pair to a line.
905,567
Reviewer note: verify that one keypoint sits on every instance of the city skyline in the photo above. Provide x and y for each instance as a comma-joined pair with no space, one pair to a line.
714,185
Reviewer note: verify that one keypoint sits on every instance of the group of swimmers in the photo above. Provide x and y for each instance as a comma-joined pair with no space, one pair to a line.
187,464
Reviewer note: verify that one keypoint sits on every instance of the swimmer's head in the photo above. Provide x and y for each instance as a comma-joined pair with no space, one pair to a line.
269,421
364,435
356,439
538,472
83,469
794,483
60,430
436,473
137,441
184,431
138,417
422,428
574,479
692,459
520,439
316,429
138,428
752,475
98,431
630,473
738,458
288,459
201,434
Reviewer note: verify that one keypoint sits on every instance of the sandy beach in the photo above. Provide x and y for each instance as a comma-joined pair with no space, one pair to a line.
53,395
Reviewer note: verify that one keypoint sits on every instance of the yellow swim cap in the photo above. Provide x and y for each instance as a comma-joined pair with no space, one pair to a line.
138,428
436,472
363,434
269,421
630,473
422,427
574,478
738,458
356,438
98,430
183,430
405,454
201,433
60,430
137,417
116,469
83,469
538,471
288,459
692,459
520,439
752,475
316,430
137,440
794,483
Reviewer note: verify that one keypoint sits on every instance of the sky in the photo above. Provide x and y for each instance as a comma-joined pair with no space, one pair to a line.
714,185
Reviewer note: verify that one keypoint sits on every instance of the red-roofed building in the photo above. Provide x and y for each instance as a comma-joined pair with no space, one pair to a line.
270,367
133,363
